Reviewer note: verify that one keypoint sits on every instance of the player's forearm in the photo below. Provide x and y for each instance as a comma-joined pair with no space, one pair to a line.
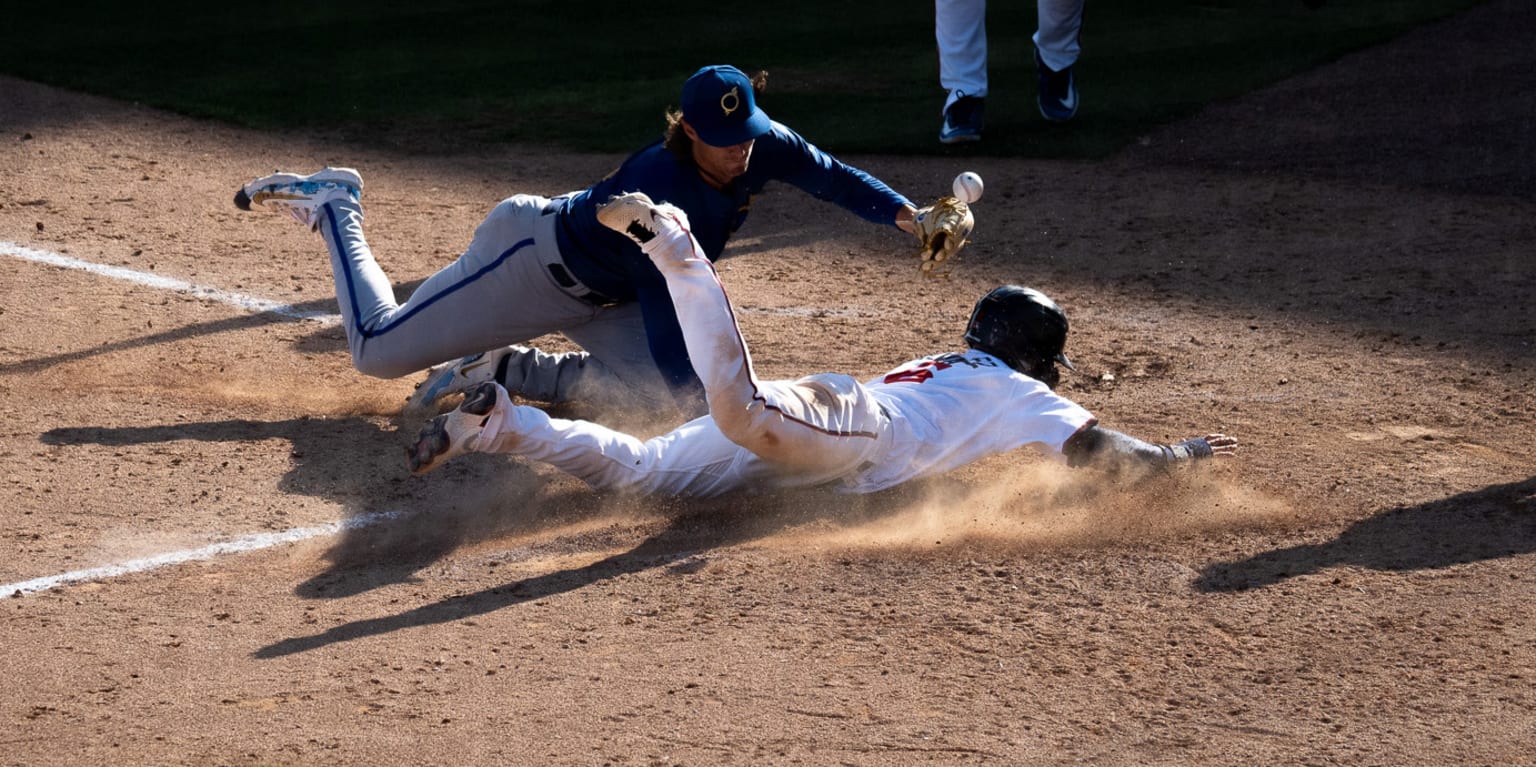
1121,454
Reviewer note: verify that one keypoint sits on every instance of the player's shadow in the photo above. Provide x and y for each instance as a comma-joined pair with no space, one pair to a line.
180,332
1497,521
472,498
359,464
324,339
693,528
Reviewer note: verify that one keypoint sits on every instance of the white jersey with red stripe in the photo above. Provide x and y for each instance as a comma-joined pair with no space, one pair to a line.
948,410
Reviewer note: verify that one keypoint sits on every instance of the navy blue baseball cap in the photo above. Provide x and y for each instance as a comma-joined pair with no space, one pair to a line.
718,102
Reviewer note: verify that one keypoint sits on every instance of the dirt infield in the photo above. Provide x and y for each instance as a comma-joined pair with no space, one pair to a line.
1338,270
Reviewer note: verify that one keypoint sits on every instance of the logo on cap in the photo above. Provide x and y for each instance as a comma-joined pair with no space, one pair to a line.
729,90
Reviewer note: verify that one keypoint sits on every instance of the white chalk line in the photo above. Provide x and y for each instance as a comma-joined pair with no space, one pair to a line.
242,301
245,543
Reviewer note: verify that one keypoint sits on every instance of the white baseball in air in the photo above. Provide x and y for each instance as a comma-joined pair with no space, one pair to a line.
968,187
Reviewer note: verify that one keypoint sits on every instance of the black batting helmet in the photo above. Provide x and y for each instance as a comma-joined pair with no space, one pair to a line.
1022,327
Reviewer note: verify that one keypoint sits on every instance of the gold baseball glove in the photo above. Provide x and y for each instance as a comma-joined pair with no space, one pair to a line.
943,228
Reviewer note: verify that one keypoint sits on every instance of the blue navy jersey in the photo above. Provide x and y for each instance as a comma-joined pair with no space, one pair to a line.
609,263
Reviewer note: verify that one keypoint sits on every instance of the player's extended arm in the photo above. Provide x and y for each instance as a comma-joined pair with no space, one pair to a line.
1121,454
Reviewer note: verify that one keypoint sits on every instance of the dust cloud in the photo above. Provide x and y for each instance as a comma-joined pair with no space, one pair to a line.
1050,506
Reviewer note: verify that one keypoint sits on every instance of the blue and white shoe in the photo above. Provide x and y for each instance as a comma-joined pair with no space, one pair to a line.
301,196
455,377
1058,92
457,431
963,120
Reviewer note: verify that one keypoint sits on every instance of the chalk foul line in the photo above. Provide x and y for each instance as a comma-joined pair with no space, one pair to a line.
240,300
245,543
253,542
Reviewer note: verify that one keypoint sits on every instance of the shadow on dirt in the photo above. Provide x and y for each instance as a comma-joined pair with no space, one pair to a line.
1497,521
358,464
694,528
232,324
324,339
479,498
1415,116
321,470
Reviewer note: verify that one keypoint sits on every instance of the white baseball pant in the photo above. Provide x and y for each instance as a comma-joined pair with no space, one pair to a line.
959,27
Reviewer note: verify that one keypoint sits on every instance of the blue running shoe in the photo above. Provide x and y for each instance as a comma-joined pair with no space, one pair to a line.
963,120
1058,92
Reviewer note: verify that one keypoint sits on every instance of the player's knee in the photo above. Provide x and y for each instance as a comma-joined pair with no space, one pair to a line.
381,366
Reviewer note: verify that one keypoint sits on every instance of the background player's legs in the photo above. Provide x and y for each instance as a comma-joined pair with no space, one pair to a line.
1057,38
496,293
960,28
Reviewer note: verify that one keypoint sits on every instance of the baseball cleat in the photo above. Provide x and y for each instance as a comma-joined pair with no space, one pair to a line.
455,432
1058,92
963,120
633,215
301,196
455,377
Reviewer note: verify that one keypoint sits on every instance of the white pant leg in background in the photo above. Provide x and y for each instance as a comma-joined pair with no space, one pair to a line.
498,293
960,28
1060,25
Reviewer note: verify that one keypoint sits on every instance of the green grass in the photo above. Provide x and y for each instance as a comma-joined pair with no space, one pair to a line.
596,75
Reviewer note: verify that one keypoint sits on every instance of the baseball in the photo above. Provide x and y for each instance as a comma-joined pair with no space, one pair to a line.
967,186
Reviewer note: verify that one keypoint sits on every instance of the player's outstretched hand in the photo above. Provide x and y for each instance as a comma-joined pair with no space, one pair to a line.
1221,445
1200,448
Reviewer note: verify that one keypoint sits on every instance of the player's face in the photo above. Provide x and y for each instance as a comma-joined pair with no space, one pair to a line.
719,165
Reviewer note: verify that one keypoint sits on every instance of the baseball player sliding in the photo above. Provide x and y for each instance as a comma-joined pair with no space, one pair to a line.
926,417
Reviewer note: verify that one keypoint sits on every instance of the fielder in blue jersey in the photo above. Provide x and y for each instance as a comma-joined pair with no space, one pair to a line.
537,266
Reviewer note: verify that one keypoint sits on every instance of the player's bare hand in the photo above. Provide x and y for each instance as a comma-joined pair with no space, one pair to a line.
1221,445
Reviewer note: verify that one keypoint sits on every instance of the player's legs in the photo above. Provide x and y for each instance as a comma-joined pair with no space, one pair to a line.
960,28
614,368
1060,26
494,294
694,459
822,427
501,291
